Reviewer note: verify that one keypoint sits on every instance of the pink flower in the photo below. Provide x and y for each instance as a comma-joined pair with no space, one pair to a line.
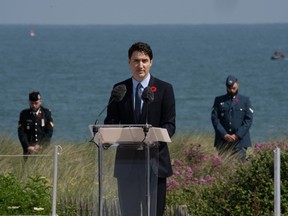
236,100
177,173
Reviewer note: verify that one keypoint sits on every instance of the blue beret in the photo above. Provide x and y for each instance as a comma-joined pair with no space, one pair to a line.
230,81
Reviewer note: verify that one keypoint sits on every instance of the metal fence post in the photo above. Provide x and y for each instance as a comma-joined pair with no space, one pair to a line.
277,182
55,174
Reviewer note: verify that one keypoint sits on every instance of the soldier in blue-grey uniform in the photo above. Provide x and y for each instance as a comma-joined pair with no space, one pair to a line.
232,117
35,128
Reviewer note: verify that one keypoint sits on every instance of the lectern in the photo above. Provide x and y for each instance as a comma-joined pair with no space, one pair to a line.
136,149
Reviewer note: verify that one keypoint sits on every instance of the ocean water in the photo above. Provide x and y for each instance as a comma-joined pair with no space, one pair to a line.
75,67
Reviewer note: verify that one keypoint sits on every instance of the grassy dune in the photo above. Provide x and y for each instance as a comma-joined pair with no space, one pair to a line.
77,162
201,178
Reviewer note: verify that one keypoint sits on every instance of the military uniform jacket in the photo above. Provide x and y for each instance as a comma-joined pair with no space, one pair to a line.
232,115
35,127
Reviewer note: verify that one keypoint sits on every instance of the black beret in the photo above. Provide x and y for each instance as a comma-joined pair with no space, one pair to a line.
34,96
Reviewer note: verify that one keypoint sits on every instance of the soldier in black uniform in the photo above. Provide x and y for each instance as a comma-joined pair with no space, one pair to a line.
232,117
35,127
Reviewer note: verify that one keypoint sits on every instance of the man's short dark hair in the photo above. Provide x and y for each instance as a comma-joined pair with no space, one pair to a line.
140,47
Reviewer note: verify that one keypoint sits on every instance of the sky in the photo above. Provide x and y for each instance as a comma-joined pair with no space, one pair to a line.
142,12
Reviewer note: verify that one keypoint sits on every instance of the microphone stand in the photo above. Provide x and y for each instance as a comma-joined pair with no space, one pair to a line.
147,97
146,128
95,128
100,158
117,95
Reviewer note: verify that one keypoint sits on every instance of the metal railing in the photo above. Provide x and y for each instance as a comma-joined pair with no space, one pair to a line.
55,173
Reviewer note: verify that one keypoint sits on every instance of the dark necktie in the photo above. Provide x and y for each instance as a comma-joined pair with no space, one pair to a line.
138,102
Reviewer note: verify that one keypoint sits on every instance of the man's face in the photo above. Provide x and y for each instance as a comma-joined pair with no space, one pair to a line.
233,90
140,65
34,105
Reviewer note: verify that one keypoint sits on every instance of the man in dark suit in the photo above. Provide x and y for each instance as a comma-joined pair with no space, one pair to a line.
159,113
232,117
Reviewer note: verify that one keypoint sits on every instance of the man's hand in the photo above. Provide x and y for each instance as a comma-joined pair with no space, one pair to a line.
230,138
34,149
235,137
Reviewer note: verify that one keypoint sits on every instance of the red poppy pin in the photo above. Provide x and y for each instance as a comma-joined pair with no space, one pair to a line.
153,89
236,100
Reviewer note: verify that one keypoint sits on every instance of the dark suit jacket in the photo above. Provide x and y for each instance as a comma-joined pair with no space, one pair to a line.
232,116
161,113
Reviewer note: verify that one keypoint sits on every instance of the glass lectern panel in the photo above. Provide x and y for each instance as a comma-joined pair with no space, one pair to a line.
128,168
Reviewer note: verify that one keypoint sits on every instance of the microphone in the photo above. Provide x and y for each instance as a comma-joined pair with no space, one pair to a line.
117,95
148,97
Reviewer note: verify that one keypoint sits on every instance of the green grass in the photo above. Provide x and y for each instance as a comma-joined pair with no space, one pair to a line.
191,154
76,165
77,162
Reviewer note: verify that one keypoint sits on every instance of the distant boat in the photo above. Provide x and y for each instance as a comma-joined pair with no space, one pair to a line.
32,33
278,55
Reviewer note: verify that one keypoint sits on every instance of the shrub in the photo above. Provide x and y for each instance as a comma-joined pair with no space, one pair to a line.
18,198
242,189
